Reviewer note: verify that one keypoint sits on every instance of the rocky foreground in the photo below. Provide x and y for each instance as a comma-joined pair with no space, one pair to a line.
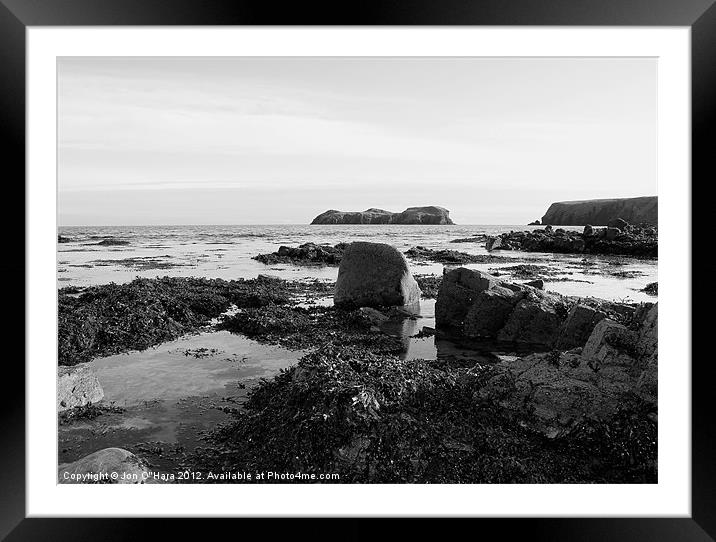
619,238
581,407
412,215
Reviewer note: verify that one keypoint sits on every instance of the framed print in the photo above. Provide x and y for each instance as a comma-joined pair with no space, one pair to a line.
405,264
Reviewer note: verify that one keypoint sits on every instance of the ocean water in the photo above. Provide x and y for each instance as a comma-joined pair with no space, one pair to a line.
226,252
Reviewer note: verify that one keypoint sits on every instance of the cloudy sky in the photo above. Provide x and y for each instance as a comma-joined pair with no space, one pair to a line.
239,140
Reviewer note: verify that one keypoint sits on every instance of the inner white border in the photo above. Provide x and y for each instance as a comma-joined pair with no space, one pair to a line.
670,497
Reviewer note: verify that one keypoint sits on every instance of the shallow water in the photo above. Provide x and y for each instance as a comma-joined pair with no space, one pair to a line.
226,252
173,393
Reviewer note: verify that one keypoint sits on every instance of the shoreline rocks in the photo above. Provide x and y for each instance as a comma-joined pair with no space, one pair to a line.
374,274
412,215
305,254
629,240
420,253
603,211
476,305
109,242
557,392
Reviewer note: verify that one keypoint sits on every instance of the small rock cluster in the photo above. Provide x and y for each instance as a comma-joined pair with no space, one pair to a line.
306,254
420,253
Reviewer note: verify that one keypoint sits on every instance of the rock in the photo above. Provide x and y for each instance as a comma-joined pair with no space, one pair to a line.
110,465
77,385
610,343
374,274
633,241
489,313
535,223
305,254
112,242
647,317
535,319
493,243
539,284
602,211
578,326
422,254
555,392
612,233
619,223
373,316
475,304
63,239
412,215
652,288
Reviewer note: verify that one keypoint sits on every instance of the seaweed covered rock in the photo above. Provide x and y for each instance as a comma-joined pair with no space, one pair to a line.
107,466
629,240
111,242
374,274
306,254
77,386
114,318
424,254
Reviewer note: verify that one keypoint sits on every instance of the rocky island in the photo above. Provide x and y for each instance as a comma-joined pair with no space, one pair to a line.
412,215
599,212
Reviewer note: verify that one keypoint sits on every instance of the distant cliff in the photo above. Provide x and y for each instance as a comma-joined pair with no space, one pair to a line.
412,215
599,212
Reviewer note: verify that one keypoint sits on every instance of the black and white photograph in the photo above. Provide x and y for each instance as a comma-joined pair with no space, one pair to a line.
357,270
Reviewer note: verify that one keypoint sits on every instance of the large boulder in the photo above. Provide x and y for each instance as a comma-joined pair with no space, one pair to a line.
107,466
372,275
475,304
412,215
77,386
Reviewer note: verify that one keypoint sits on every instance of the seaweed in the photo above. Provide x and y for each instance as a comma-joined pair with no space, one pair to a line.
114,318
89,411
374,418
300,328
429,285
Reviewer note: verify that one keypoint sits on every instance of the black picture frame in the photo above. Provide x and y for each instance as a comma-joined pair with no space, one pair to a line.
699,15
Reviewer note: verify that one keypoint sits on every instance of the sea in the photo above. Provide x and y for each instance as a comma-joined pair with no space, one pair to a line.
226,252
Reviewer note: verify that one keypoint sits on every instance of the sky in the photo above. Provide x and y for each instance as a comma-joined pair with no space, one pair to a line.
279,140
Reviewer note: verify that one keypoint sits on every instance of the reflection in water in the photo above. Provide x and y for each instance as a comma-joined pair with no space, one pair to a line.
416,345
